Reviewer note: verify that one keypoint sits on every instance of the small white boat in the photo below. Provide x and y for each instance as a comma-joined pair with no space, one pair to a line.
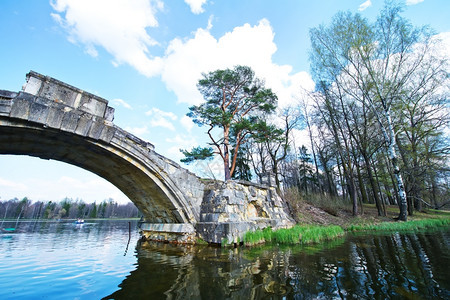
79,221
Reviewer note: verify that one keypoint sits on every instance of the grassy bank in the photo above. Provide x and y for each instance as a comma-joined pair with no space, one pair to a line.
307,234
295,235
401,226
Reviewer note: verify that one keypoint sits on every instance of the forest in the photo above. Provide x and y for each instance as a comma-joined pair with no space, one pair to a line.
377,121
66,209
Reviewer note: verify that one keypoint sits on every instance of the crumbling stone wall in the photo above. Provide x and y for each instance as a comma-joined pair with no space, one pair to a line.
231,208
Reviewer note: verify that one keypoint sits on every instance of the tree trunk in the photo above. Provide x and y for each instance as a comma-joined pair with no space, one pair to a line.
378,204
226,154
403,205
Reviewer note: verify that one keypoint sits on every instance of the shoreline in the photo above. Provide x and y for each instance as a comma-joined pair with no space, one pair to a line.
314,233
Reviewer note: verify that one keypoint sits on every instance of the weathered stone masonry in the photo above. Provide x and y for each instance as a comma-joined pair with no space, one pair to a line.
53,120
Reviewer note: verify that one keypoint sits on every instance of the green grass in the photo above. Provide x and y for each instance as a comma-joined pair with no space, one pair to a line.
311,234
295,235
401,226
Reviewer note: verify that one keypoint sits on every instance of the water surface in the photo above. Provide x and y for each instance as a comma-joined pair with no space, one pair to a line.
60,260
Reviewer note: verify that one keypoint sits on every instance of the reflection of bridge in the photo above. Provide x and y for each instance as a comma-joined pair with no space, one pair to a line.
53,120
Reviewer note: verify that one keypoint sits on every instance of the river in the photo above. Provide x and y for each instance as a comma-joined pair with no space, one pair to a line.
104,260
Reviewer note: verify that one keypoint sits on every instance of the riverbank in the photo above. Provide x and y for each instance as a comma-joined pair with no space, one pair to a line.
316,225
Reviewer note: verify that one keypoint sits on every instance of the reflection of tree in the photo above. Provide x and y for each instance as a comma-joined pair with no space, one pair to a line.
379,266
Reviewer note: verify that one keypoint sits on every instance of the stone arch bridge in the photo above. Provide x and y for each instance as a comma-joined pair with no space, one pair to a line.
50,119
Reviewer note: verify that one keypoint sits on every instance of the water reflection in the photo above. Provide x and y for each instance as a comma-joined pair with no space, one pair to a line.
62,260
59,260
408,266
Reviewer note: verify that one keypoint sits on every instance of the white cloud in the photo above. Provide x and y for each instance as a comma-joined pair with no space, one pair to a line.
365,5
118,26
160,118
180,142
187,123
138,131
162,122
186,60
121,102
90,188
196,6
413,2
12,185
159,113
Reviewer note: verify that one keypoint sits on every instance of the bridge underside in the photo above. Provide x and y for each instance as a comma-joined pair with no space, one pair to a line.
21,137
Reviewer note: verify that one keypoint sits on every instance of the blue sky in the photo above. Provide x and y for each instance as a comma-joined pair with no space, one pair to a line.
145,57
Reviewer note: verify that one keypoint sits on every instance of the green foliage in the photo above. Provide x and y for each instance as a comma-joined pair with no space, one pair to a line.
81,208
93,212
402,226
381,90
242,170
311,234
197,153
296,235
236,103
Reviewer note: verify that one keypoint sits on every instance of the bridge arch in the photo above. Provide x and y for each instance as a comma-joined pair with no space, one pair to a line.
52,120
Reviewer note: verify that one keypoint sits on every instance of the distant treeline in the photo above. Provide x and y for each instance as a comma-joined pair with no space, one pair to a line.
65,209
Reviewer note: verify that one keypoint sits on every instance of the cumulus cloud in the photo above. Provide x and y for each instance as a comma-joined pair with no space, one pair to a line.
365,5
121,102
12,185
90,188
160,118
138,131
186,60
180,142
196,6
118,26
413,2
162,122
187,123
157,112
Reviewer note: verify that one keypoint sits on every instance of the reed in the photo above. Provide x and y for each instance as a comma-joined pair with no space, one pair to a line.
295,235
401,226
308,234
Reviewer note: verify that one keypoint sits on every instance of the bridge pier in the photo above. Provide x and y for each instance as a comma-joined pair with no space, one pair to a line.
228,210
181,233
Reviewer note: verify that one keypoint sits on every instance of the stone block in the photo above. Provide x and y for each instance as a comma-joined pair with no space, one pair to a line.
227,232
109,114
38,113
92,105
5,107
84,125
54,117
239,198
252,191
70,121
171,227
7,95
107,134
96,130
57,93
20,108
183,233
33,84
209,217
208,196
